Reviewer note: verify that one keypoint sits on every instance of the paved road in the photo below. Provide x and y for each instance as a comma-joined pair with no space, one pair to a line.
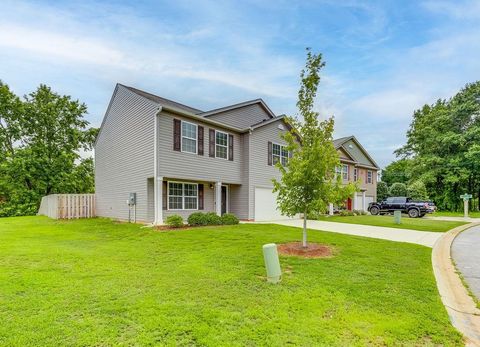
466,254
424,238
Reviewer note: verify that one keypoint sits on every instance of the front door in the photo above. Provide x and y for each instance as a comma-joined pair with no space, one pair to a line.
224,200
349,204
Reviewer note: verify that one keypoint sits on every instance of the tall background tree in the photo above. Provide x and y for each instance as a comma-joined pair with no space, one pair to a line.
308,180
443,145
41,138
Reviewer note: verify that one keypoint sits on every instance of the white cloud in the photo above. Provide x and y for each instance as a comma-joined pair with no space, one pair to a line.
72,48
469,9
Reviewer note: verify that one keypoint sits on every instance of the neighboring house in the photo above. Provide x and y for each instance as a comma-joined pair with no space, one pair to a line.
178,159
357,165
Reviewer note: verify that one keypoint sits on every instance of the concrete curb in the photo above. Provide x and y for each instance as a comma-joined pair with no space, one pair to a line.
461,308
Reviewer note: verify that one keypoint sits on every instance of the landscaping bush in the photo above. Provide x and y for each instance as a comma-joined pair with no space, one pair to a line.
229,219
213,219
175,221
359,213
197,218
346,213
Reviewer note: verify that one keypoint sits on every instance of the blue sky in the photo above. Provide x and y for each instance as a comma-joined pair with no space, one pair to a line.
384,58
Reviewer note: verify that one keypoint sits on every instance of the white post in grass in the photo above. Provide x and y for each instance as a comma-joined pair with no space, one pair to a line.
330,209
465,198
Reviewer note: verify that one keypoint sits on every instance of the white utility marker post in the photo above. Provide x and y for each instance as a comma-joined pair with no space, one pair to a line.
465,198
330,209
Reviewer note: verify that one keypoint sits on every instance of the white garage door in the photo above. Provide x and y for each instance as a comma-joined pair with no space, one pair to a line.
266,205
358,202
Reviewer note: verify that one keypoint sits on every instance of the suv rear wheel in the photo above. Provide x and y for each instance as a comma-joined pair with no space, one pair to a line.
374,210
413,213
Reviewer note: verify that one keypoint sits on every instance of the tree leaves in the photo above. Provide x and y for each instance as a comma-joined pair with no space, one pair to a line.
40,139
443,145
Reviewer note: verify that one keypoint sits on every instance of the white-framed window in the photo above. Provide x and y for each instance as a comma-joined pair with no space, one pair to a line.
279,154
189,137
355,174
345,172
182,196
221,144
369,176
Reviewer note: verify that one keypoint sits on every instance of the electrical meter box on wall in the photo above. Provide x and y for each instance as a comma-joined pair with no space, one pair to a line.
132,199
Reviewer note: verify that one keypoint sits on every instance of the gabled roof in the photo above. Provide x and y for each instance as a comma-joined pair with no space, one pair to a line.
338,143
239,105
162,101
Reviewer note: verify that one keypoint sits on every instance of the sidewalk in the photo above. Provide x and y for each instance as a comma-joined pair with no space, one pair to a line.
424,238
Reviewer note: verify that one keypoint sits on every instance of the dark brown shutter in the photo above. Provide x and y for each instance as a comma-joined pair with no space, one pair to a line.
200,196
165,196
211,143
177,124
269,153
230,147
200,140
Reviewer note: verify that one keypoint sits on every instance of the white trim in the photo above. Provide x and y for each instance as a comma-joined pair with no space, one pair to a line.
157,181
183,196
218,198
190,138
227,147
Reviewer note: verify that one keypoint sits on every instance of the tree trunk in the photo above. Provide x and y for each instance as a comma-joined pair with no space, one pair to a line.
304,242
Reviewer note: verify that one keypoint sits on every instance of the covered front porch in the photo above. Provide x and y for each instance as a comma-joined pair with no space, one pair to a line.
173,195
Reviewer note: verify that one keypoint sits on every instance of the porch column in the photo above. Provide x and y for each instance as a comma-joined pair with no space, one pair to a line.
158,200
330,209
363,201
218,198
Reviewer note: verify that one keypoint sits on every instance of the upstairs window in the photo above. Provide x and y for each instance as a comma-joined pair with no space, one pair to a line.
279,154
355,174
221,145
369,176
345,172
189,137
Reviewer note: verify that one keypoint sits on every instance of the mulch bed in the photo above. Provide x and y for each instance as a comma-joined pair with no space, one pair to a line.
313,250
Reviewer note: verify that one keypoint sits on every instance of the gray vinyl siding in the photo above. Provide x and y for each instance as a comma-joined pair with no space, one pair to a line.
208,201
260,173
239,194
189,166
242,117
357,153
124,155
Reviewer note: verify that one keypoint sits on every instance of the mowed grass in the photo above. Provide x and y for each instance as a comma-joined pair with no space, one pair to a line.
95,282
387,221
471,214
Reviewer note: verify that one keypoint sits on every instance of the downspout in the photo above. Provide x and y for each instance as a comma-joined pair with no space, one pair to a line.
155,168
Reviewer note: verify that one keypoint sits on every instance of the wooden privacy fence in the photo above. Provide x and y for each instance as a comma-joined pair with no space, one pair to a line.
68,206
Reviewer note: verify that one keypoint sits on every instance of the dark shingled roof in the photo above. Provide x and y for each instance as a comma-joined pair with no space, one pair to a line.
163,101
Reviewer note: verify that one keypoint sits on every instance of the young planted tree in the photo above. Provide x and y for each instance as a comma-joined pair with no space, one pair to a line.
308,182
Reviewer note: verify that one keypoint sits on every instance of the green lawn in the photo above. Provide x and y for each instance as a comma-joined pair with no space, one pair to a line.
387,221
472,214
95,282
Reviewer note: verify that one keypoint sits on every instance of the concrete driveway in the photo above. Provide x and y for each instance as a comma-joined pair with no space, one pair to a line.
466,254
424,238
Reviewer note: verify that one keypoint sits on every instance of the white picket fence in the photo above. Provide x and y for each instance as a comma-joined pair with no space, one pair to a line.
68,206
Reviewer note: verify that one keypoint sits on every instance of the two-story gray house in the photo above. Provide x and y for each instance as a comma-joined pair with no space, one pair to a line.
179,159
